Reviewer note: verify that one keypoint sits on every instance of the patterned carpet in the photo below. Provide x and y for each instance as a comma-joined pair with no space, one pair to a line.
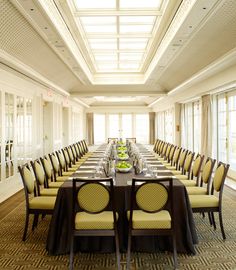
212,251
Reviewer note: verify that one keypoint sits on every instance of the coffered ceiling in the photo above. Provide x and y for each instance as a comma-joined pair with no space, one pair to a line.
111,52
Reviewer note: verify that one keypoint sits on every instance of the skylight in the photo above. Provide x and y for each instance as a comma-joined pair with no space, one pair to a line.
118,33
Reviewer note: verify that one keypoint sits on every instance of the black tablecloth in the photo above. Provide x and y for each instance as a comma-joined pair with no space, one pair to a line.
58,241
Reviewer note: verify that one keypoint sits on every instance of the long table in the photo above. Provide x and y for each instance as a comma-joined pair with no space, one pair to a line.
58,241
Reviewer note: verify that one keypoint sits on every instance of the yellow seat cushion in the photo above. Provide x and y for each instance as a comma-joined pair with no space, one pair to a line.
55,184
176,172
166,163
68,173
101,221
188,182
42,202
196,190
170,167
182,177
203,201
70,170
144,220
48,192
62,178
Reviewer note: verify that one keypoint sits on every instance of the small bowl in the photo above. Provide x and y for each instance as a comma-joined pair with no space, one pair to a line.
123,158
124,169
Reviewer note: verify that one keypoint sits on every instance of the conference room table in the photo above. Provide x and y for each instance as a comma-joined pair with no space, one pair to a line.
58,240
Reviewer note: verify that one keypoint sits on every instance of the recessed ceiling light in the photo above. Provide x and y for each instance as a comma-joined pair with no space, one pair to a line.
31,9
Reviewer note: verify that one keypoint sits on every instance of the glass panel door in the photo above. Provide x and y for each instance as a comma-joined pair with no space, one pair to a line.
142,128
9,142
114,130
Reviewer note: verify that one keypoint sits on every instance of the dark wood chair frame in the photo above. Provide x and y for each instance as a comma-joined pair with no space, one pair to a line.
133,205
36,175
188,171
218,209
77,184
35,212
112,139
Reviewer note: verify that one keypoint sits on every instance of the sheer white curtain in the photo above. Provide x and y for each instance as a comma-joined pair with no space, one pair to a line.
206,126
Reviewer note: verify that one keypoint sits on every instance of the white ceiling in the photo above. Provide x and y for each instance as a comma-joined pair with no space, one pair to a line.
44,36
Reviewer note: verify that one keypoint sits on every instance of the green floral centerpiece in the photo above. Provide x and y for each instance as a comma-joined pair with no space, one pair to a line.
123,166
123,156
122,148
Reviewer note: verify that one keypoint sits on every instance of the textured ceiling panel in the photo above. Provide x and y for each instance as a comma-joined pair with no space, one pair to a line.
217,37
20,40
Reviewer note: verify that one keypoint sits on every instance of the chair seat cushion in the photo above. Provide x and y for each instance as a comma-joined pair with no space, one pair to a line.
188,182
49,192
62,178
166,163
197,201
55,184
101,221
196,190
68,173
171,167
182,177
176,172
144,220
42,202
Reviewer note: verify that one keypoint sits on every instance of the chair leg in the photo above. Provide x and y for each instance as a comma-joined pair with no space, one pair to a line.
210,218
213,220
117,250
128,251
71,253
26,226
175,253
35,221
221,225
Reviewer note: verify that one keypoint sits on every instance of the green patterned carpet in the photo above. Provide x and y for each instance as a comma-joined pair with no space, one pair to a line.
212,251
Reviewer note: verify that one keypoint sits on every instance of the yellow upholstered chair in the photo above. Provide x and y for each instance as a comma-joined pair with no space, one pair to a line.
155,145
72,157
212,203
91,202
59,176
63,165
35,205
170,156
48,170
42,189
180,166
194,186
187,167
166,153
147,215
85,150
195,170
175,160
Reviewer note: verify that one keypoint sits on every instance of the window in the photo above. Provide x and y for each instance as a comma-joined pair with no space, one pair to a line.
99,128
169,125
76,127
114,130
225,139
191,126
127,126
165,125
142,128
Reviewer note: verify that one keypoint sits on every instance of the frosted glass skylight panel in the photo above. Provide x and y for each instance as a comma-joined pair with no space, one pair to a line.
105,57
94,4
125,65
103,44
106,66
138,28
131,56
137,19
100,28
94,20
140,4
134,43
